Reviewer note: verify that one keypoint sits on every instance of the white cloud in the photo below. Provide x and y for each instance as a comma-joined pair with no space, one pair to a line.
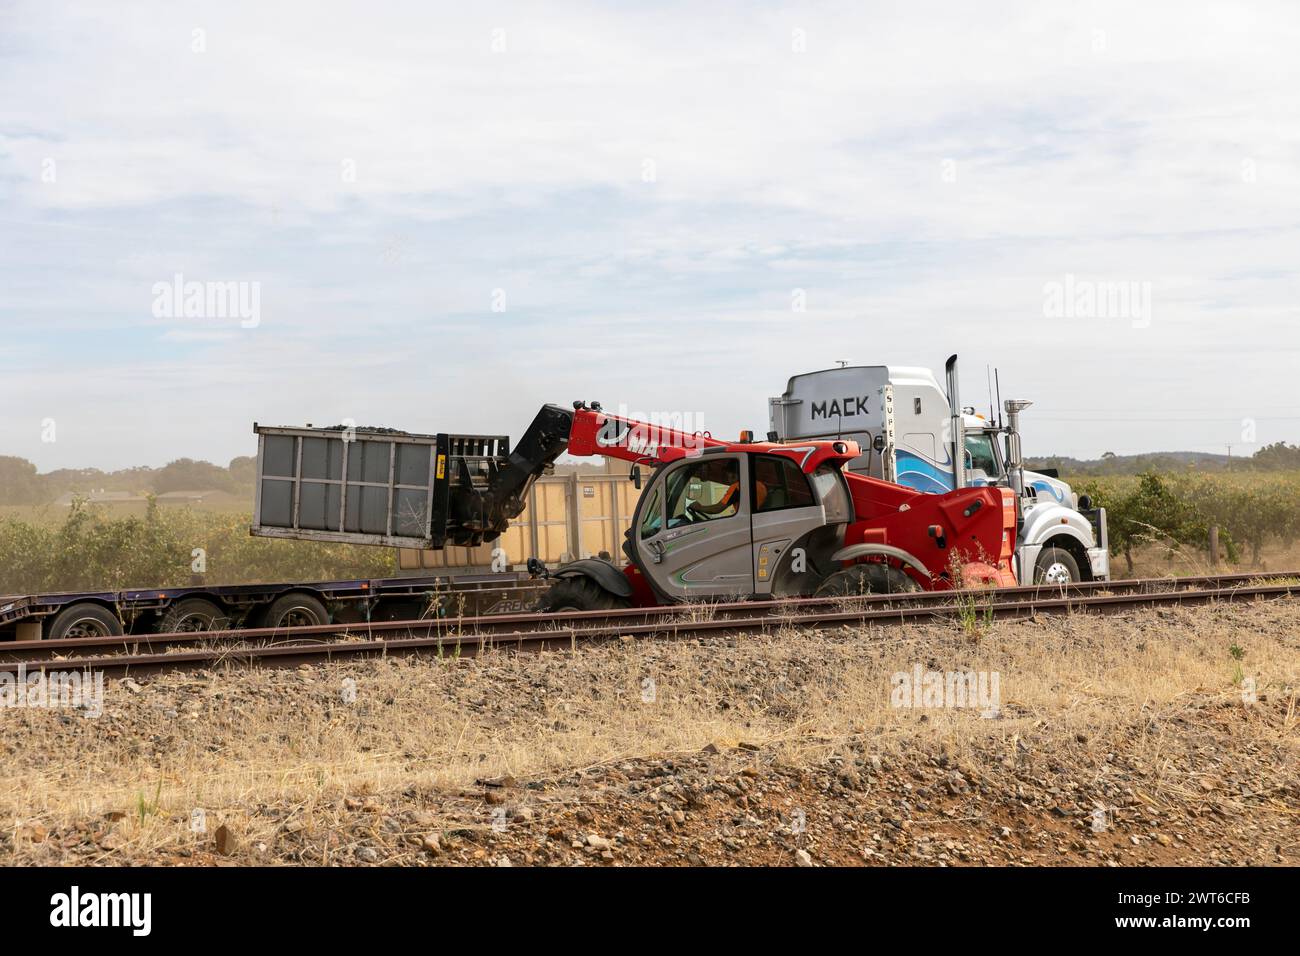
920,171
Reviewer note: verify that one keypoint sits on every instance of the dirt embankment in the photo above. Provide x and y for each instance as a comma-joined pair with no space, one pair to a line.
1159,737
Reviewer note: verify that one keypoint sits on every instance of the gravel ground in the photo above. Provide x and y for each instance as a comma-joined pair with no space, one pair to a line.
1116,741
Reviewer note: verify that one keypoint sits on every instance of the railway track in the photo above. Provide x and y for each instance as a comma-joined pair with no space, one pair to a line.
468,635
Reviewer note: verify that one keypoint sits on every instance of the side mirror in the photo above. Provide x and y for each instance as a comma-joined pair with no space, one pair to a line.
1085,503
636,476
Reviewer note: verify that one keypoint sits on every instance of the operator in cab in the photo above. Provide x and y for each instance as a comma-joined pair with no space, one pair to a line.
728,503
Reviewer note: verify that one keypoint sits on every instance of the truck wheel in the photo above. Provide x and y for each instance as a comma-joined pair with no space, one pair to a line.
192,614
873,578
295,610
1056,566
578,594
83,620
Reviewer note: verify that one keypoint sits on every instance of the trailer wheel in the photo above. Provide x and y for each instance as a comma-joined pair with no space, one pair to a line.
579,594
1056,566
192,614
872,578
295,610
83,620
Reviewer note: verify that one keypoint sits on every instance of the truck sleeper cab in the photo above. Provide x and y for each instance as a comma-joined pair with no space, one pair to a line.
903,421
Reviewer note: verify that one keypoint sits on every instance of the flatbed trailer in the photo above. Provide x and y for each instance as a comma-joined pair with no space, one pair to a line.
359,485
199,607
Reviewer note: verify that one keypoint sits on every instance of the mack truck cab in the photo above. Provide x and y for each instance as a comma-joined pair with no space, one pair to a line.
904,422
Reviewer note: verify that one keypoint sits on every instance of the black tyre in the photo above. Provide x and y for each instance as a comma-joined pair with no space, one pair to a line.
295,610
193,614
579,594
873,578
1056,566
83,620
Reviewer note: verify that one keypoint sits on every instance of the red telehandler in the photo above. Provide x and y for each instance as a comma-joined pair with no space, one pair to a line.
749,519
716,520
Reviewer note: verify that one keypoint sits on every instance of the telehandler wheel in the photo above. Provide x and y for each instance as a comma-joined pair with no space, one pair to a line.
86,619
872,578
579,594
1056,566
192,614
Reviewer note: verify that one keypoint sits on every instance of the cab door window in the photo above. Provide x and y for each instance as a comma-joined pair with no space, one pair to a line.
703,491
980,455
652,522
779,483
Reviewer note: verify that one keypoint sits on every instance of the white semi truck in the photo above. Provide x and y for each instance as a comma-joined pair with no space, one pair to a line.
905,423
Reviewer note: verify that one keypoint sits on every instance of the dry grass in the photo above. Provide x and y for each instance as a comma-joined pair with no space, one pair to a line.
241,739
1158,561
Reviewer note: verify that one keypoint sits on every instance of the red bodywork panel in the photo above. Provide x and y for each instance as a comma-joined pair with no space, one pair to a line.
972,527
642,594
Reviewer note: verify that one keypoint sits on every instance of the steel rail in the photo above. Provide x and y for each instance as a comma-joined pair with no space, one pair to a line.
288,647
514,621
133,643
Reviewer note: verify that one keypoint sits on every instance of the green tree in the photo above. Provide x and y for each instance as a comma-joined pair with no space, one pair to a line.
186,474
1276,457
19,483
243,471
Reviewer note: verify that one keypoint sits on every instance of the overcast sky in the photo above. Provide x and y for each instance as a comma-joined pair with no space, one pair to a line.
453,213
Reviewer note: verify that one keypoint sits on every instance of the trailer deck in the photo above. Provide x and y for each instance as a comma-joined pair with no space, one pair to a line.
350,600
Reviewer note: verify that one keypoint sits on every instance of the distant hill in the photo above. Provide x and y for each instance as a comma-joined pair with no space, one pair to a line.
20,484
183,481
186,479
1270,457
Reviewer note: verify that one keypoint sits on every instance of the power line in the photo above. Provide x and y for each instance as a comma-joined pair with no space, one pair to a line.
1142,419
1184,408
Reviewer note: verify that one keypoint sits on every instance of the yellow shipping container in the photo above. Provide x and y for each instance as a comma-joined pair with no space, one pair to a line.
567,517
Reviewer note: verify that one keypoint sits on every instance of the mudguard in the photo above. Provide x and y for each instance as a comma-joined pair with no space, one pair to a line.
602,572
855,551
